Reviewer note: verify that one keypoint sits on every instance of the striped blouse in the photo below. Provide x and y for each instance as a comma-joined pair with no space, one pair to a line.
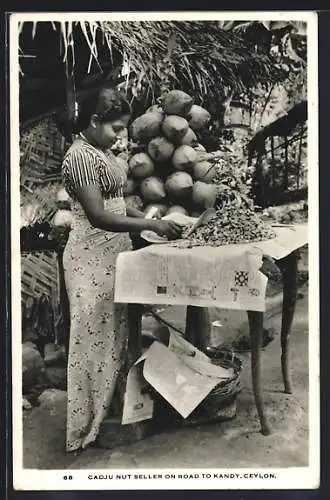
85,165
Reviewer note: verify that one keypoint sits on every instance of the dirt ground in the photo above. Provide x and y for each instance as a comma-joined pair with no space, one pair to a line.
236,443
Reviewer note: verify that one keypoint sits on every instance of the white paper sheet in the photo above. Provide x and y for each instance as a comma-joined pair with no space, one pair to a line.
181,386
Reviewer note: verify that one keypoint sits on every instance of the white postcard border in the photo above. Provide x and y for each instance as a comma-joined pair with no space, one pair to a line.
291,478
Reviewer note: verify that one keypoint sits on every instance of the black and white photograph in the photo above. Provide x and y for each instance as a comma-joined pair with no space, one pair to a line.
164,228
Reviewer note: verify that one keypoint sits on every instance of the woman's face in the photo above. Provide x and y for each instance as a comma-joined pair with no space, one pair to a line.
105,134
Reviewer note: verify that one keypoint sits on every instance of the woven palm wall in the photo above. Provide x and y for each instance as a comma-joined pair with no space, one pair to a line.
41,152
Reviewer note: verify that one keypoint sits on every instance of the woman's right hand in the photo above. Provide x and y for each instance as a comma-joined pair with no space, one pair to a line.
167,228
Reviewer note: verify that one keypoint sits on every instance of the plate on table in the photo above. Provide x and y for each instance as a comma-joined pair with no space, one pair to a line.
180,219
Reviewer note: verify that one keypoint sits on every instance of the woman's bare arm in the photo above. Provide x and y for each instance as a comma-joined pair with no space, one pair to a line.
91,200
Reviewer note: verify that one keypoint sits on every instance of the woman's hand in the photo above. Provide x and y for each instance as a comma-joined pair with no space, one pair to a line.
167,228
90,197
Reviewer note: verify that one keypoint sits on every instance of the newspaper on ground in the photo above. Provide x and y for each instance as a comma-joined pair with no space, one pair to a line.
180,373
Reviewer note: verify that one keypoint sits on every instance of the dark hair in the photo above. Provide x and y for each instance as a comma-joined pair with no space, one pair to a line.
107,103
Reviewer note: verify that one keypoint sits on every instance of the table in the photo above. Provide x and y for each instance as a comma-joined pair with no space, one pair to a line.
285,251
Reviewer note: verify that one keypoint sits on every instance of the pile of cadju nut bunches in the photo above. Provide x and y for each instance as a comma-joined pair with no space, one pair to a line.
168,168
232,224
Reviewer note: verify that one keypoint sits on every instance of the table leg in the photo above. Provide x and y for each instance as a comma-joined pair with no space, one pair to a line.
198,328
256,330
288,267
134,332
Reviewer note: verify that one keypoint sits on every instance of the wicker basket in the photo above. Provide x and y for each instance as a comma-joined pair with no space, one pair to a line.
224,394
229,387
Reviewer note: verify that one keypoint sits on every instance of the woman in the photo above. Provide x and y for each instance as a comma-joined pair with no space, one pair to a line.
98,331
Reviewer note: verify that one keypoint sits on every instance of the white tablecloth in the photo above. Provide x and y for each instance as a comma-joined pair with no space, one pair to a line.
226,277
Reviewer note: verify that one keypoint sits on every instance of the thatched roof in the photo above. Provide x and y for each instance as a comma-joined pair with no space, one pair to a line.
201,57
204,58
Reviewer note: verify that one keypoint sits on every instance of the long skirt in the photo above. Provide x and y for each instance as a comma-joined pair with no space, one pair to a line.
98,332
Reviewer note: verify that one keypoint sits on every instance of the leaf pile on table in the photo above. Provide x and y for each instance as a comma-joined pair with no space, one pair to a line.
232,224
